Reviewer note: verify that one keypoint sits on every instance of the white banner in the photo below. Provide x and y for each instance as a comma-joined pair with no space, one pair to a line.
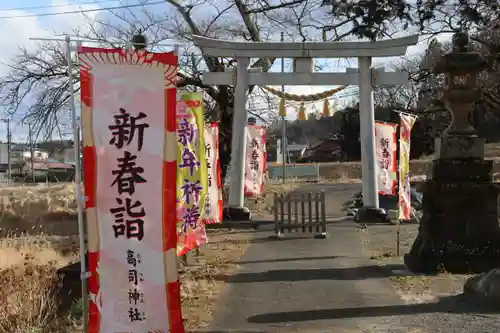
386,149
255,163
128,112
212,209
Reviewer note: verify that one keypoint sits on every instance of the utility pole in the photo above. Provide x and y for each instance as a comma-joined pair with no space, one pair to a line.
9,148
283,119
32,153
75,122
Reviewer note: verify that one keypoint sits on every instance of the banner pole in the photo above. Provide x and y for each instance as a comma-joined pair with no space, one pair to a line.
79,197
284,140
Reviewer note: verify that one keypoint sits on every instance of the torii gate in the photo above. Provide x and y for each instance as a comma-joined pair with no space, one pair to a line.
363,76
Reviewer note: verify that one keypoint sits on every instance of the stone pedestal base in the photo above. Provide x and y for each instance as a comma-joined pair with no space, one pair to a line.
239,214
458,147
474,256
372,215
459,230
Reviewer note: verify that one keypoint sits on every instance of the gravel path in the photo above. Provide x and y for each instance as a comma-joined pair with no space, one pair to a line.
433,302
347,283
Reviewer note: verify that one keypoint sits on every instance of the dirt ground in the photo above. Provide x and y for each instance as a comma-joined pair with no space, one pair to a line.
264,204
199,288
382,243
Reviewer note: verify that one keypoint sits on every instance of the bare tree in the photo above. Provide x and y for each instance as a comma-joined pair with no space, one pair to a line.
400,96
39,79
38,82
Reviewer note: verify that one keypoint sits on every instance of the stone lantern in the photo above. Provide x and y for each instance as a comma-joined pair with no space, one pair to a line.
460,67
459,230
139,42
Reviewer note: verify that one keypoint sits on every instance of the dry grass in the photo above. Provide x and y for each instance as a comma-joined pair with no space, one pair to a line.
27,274
492,150
38,235
38,209
28,267
264,204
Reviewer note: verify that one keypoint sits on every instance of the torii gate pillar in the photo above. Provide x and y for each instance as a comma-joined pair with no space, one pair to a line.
364,76
236,207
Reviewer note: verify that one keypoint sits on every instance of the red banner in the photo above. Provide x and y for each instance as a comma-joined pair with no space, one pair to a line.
212,206
129,134
255,166
386,150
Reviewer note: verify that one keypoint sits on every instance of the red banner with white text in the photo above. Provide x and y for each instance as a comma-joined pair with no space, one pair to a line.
255,163
386,152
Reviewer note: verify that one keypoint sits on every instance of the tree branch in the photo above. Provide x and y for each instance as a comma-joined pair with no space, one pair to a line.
191,81
211,62
268,8
265,63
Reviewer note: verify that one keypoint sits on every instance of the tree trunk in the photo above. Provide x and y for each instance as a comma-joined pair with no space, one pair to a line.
225,138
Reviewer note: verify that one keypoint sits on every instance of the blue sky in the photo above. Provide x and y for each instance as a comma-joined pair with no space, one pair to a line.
18,30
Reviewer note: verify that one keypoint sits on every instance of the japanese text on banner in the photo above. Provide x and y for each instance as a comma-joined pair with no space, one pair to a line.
386,148
255,164
407,122
129,213
125,110
212,208
192,176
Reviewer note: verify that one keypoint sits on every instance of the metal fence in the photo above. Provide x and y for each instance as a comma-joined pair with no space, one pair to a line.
296,212
25,182
4,181
299,171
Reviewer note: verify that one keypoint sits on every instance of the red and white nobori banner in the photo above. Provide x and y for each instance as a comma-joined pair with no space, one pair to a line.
255,163
407,121
386,151
212,206
128,102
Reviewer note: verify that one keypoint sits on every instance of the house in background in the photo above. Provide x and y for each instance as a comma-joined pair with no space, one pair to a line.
4,157
16,165
49,170
327,151
19,153
294,152
66,155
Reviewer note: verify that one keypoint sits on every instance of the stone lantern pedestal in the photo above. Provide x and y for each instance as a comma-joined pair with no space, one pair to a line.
459,230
